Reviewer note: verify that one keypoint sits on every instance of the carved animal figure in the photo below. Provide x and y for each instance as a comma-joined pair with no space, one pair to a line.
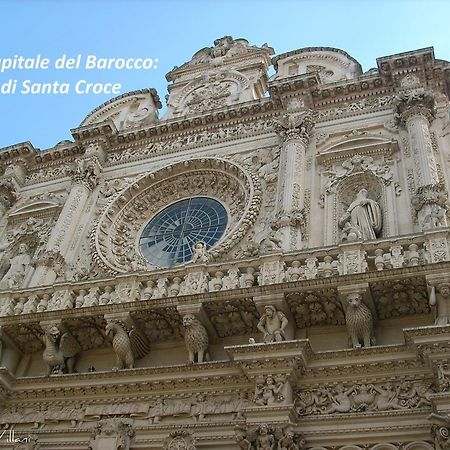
60,351
128,345
196,339
359,321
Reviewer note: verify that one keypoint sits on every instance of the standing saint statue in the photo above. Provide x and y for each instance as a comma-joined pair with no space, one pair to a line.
17,269
363,216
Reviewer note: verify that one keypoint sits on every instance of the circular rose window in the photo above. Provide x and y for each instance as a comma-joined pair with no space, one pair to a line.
169,237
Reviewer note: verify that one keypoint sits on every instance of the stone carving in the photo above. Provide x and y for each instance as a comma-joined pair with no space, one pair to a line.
266,437
431,206
195,283
363,216
355,165
440,430
127,345
440,303
87,172
401,298
312,308
113,239
364,397
414,101
272,325
358,318
114,432
18,268
196,339
61,350
295,125
180,440
235,317
268,391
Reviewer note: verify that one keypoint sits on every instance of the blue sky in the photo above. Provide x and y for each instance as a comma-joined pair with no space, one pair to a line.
173,31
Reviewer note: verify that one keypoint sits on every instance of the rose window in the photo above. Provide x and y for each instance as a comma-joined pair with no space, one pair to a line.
169,237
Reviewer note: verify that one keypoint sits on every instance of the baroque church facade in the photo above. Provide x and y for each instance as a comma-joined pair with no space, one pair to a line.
265,267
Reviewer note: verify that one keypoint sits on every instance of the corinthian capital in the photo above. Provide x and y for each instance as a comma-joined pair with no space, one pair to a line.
416,101
87,172
295,125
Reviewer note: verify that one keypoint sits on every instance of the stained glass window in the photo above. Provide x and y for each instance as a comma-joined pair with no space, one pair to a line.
169,237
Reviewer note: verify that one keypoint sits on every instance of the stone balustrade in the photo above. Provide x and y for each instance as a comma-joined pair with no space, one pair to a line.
190,279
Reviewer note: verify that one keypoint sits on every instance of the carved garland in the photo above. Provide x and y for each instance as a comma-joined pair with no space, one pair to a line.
115,238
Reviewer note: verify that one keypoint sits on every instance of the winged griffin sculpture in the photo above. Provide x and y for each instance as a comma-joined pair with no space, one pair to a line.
61,350
128,345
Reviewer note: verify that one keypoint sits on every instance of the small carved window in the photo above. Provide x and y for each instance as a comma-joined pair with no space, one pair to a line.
169,237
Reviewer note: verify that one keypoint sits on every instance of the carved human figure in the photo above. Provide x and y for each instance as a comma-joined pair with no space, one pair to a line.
364,215
199,253
242,442
340,402
291,442
387,397
16,272
359,321
440,303
272,324
268,392
265,439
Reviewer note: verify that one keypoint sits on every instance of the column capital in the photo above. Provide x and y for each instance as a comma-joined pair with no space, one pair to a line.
417,101
295,125
87,171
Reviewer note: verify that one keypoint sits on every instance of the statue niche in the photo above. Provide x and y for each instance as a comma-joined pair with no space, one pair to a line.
362,216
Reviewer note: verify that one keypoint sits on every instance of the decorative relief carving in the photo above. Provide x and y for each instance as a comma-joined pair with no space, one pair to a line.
355,165
269,391
113,240
233,318
314,308
268,437
414,101
355,398
431,205
295,125
180,440
403,298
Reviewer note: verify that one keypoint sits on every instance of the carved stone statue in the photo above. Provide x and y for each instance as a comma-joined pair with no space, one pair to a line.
359,321
440,303
128,345
272,324
291,441
265,439
199,253
196,339
61,350
340,401
16,272
363,216
268,392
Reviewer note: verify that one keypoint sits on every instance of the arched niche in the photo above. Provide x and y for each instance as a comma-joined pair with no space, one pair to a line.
419,445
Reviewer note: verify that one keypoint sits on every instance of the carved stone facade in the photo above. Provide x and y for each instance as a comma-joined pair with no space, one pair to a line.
265,267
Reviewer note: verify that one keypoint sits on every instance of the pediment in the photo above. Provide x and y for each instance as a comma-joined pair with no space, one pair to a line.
35,207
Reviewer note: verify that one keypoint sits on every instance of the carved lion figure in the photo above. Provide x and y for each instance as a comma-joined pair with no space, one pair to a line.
196,339
359,321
